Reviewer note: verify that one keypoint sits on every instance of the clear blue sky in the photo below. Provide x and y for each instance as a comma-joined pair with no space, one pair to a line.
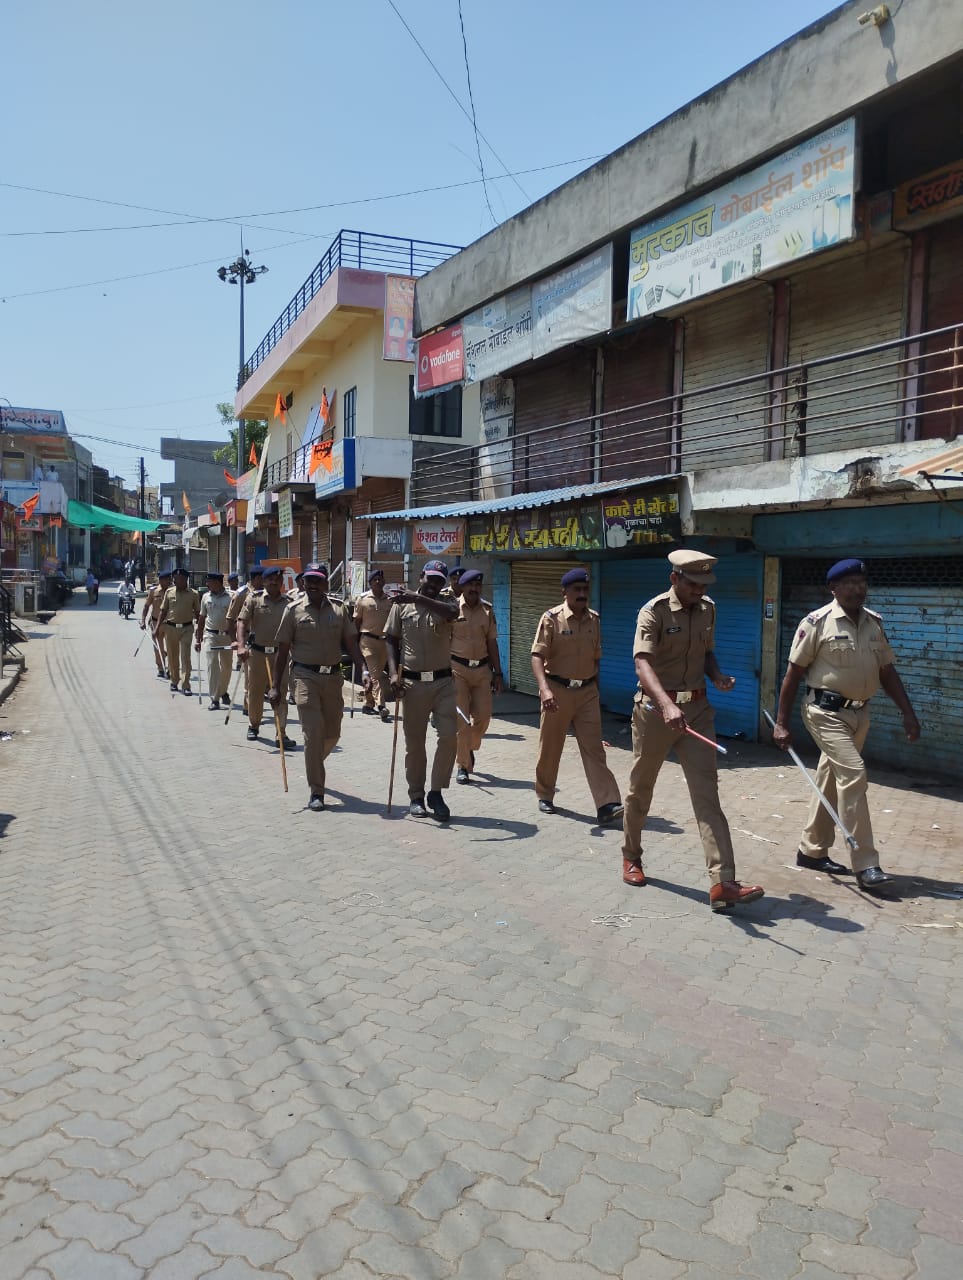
239,112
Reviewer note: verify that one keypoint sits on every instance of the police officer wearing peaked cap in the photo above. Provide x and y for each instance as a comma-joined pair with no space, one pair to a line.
476,667
674,655
842,652
565,662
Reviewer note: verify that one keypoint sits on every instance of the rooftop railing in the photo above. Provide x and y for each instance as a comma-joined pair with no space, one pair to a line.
365,251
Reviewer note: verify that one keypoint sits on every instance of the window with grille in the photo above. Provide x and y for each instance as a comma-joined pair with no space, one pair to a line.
350,412
438,415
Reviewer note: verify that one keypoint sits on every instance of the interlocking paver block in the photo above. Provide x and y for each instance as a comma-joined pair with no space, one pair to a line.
80,1262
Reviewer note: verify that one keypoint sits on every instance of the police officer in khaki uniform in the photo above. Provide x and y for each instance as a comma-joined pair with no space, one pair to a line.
234,612
476,667
370,615
152,608
843,654
314,631
257,625
565,662
674,653
179,612
213,626
453,590
418,632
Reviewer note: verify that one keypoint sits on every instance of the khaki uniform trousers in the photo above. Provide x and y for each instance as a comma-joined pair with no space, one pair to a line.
841,777
218,669
473,693
580,710
258,683
160,642
320,703
652,740
179,641
375,654
424,700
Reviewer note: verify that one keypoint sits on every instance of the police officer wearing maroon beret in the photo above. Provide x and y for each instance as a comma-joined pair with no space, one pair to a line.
842,653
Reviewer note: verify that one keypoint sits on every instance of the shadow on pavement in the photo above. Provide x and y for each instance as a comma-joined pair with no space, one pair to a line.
5,820
766,912
500,827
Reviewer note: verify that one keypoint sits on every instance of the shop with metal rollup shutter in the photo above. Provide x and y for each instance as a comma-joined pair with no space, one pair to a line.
921,601
737,593
943,366
636,385
535,587
726,340
555,395
844,305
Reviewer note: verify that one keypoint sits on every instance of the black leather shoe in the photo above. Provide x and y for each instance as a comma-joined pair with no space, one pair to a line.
824,864
417,809
188,693
225,699
316,804
289,743
385,715
462,775
471,762
875,880
213,706
437,806
367,711
546,806
252,733
609,813
173,687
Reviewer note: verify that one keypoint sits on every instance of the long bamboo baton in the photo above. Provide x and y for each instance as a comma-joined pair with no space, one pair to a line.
394,751
850,840
351,712
277,724
141,641
200,671
237,681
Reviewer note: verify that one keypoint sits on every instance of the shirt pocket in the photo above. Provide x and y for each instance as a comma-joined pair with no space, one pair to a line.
842,652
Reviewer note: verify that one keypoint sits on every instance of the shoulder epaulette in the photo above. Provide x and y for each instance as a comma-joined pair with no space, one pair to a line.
817,614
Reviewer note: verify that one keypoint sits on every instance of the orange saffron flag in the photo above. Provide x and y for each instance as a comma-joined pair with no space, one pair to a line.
229,478
325,406
184,503
30,506
320,456
281,410
252,456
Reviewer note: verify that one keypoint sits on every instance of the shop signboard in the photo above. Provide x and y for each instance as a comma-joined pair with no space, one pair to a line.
285,514
562,528
795,205
342,473
641,519
574,303
498,335
399,341
437,537
441,360
390,539
929,198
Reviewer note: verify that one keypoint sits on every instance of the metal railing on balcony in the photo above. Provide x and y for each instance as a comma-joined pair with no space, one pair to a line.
867,397
364,250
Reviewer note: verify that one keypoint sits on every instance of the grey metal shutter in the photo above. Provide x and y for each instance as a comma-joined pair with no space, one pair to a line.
535,588
842,306
727,339
921,608
637,378
944,306
555,401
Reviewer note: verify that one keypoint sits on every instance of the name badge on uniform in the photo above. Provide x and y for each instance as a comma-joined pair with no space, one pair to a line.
672,631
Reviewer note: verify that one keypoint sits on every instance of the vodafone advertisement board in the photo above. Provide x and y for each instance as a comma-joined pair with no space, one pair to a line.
441,360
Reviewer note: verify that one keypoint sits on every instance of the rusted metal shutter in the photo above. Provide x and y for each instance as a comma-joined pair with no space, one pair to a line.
534,588
843,306
921,607
942,385
558,398
323,525
726,340
637,378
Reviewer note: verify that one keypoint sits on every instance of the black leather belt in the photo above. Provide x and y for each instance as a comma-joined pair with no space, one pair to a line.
316,668
263,648
472,662
426,675
372,635
569,684
829,701
208,631
178,624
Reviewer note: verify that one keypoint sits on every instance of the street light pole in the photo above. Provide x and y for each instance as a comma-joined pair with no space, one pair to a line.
240,272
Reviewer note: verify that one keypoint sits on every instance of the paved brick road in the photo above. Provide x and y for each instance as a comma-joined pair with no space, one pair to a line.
240,1039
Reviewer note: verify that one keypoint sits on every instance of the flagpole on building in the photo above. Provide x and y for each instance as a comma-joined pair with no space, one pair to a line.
240,272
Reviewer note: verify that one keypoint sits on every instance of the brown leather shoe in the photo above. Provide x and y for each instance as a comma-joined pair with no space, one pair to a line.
730,892
632,873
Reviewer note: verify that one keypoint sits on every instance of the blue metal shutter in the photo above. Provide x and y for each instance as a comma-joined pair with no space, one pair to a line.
628,584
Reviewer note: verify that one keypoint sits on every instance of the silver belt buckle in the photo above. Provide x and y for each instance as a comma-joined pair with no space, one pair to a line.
428,675
682,697
857,703
475,662
271,650
575,684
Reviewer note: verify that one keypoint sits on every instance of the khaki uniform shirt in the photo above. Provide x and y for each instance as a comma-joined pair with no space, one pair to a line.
425,638
182,606
569,646
473,629
155,598
316,636
214,612
674,640
262,616
841,655
372,614
237,602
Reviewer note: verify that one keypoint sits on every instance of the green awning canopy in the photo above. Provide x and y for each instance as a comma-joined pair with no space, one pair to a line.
84,516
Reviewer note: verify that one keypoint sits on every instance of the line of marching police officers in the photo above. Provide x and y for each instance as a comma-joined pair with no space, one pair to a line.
435,649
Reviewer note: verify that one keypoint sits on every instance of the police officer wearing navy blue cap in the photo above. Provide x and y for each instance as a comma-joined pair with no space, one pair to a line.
565,662
843,654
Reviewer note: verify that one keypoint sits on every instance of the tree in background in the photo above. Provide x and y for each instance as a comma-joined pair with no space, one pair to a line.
255,432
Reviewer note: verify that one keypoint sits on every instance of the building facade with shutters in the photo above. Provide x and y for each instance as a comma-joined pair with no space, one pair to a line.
744,331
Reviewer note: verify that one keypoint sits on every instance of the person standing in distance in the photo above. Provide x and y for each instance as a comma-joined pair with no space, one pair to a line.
565,662
674,655
476,667
314,631
418,632
212,623
843,654
370,615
